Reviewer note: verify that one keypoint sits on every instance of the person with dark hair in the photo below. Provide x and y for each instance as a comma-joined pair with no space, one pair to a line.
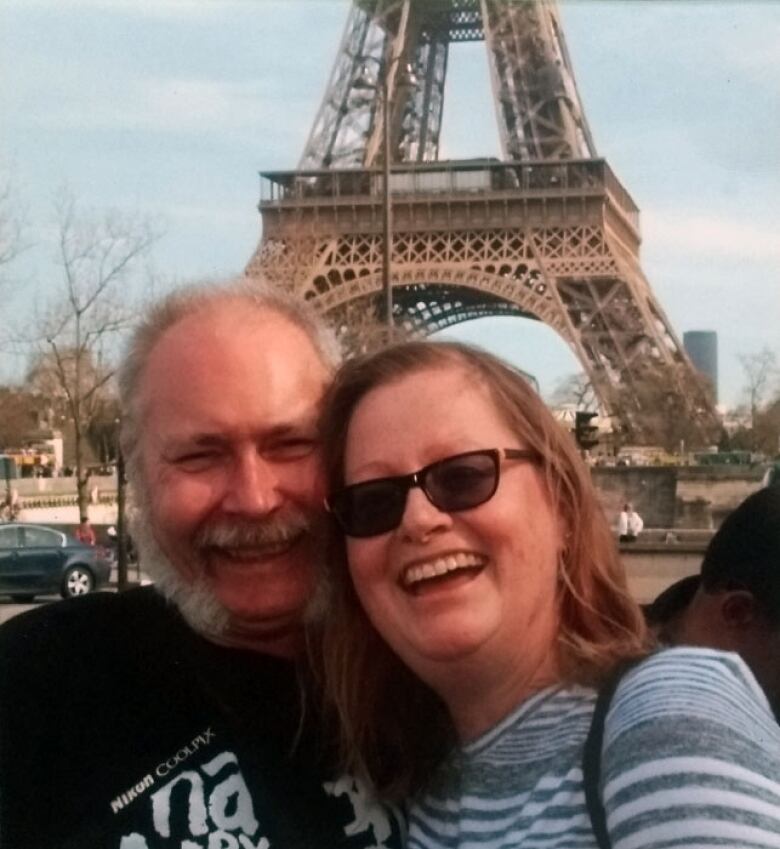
667,609
171,715
734,603
474,604
85,532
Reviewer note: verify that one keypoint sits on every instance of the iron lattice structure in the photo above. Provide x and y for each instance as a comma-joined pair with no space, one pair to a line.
548,232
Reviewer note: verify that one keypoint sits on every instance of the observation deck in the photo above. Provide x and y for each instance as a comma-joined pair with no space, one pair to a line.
482,193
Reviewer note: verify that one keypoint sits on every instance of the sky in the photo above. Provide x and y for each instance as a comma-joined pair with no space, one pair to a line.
169,108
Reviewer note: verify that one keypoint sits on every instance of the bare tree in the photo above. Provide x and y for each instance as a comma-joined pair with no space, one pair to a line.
761,372
103,433
19,417
100,258
52,373
576,389
11,226
12,244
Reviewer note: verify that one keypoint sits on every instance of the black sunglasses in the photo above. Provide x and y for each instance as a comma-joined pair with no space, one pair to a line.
455,483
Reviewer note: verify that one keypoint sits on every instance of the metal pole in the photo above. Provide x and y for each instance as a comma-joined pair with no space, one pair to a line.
121,523
387,220
6,461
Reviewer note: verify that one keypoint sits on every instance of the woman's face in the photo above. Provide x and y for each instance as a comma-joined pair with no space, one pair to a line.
497,599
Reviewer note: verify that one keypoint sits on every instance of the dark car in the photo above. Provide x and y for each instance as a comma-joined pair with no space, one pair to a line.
35,560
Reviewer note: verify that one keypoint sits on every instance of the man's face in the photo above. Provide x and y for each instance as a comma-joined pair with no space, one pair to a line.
230,466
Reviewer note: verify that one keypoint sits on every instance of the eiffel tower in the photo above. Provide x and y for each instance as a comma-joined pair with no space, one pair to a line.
546,232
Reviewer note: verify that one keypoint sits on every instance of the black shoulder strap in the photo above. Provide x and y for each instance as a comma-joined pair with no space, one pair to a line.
591,758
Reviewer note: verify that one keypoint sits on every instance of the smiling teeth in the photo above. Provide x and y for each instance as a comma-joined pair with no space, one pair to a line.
440,566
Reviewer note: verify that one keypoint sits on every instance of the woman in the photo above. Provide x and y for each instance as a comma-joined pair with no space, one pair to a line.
482,605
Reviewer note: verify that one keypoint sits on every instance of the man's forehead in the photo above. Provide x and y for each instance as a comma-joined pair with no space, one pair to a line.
230,338
229,318
229,370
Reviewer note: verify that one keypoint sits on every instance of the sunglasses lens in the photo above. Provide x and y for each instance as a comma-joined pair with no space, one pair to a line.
456,483
370,508
459,483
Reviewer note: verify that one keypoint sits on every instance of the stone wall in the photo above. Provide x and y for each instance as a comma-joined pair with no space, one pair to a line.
708,493
651,489
676,496
650,569
664,496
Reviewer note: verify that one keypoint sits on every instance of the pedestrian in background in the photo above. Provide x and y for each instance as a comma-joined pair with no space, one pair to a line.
85,532
630,524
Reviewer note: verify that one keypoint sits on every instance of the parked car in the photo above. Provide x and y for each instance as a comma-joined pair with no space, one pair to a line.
35,560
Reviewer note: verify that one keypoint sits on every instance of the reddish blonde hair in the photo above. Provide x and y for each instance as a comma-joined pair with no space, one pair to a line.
393,728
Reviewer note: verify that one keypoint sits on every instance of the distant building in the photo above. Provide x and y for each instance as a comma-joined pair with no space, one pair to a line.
702,347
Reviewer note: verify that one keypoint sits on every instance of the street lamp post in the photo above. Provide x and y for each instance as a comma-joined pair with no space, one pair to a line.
387,216
6,461
121,520
364,81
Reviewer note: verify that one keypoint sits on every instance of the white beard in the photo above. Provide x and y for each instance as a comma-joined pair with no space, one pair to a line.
192,597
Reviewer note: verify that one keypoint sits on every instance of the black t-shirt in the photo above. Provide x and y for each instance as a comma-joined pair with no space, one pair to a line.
121,728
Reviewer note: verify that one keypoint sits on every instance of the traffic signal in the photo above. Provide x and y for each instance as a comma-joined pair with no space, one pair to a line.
586,434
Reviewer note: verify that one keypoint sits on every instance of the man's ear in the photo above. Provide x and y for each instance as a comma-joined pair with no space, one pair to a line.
738,608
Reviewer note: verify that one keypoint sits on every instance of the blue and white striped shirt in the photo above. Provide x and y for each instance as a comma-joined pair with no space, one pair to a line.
691,759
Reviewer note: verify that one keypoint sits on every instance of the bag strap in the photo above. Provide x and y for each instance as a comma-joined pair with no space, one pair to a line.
591,756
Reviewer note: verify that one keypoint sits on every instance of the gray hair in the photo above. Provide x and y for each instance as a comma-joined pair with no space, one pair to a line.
253,292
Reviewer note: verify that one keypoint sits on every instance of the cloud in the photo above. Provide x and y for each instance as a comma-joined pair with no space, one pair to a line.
716,236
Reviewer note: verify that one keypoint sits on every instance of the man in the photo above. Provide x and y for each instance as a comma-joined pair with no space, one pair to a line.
734,603
630,524
170,716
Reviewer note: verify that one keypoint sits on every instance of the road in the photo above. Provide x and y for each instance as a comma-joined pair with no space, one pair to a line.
9,608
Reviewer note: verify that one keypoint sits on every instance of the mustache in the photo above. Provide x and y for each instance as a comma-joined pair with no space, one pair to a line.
254,533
